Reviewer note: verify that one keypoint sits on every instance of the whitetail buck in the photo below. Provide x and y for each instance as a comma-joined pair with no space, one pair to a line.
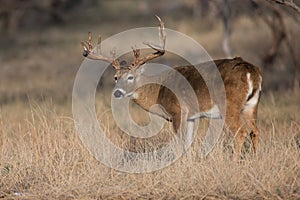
241,79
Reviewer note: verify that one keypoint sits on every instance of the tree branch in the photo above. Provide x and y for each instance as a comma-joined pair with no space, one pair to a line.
289,3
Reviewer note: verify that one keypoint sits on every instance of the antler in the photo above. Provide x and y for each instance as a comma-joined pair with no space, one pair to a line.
160,49
88,52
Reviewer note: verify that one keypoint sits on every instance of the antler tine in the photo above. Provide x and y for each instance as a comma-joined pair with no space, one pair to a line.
113,52
162,36
115,62
88,52
99,44
160,49
90,41
161,32
136,52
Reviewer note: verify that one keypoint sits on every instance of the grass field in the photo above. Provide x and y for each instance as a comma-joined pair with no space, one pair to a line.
42,157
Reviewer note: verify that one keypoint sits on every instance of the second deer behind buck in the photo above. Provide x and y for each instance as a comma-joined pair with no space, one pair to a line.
241,79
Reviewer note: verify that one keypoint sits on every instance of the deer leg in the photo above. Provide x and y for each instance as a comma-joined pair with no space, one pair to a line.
190,131
184,128
240,134
239,143
235,125
250,116
187,127
176,123
254,138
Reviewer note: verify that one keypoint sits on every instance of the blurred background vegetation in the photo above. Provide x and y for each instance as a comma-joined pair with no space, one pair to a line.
40,50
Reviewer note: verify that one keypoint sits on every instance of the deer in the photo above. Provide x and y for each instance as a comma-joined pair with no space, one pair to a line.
242,81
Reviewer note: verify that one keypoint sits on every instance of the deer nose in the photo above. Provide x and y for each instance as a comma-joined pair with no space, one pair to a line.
118,94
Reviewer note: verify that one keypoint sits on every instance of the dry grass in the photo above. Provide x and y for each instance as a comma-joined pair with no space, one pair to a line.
43,158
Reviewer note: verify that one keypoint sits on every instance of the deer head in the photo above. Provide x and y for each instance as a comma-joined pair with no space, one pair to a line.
127,76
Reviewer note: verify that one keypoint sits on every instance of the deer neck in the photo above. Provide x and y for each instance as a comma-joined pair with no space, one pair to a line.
146,96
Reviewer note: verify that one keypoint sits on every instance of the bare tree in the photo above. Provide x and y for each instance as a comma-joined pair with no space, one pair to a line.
278,29
273,15
225,14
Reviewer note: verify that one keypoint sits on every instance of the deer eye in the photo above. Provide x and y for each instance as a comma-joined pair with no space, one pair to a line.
116,78
130,78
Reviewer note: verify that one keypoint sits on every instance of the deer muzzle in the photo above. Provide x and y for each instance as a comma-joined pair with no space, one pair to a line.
119,93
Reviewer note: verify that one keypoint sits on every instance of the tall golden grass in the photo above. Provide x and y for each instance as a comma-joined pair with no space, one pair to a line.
42,157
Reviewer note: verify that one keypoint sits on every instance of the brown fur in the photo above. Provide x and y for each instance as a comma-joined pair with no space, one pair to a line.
234,75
